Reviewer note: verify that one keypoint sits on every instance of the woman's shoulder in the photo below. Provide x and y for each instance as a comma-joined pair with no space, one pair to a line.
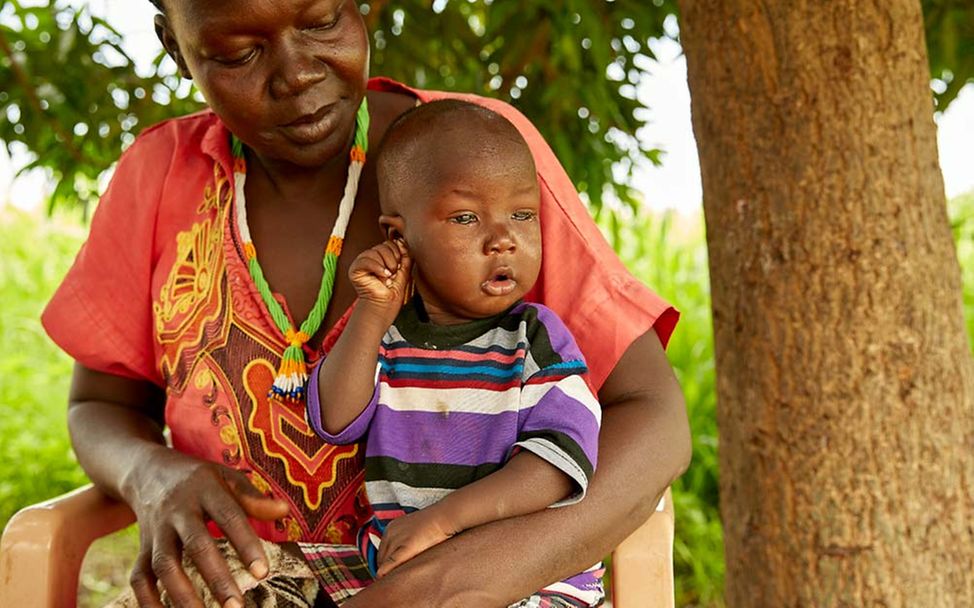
179,136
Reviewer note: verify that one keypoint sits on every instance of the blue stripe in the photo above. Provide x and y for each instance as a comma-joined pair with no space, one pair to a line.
514,372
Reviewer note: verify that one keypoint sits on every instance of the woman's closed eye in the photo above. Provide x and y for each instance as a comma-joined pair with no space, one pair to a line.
324,25
237,59
464,218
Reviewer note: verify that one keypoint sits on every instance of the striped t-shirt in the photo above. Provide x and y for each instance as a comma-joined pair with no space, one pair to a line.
453,403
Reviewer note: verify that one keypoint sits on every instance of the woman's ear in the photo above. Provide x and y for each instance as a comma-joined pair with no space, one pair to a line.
393,227
168,40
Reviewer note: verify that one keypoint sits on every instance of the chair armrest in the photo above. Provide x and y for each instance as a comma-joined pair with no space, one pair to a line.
43,546
642,565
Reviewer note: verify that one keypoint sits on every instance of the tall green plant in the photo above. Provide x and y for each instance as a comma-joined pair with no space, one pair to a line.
36,462
667,252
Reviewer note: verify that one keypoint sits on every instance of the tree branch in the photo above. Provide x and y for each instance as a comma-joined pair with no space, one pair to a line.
24,80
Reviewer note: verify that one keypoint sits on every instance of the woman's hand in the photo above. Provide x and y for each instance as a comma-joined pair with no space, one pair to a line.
116,430
381,276
173,497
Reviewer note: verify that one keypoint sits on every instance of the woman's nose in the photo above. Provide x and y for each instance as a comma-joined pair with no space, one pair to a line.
296,69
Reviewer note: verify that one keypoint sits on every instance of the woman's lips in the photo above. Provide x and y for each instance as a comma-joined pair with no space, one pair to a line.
311,128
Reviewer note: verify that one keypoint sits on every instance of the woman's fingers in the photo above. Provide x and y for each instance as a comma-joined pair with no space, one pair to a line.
167,566
200,549
143,580
231,513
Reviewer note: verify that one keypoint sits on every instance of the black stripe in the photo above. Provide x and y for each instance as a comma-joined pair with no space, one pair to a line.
448,476
536,332
565,444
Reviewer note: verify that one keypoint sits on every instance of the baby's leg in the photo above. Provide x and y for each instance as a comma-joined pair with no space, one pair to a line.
551,601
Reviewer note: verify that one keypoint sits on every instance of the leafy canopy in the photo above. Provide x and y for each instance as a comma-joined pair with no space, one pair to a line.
71,94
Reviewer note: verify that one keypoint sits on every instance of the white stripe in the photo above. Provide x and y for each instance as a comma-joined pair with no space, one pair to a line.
407,496
449,400
589,597
573,386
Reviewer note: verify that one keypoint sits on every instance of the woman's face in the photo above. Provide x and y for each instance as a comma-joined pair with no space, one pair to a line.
285,76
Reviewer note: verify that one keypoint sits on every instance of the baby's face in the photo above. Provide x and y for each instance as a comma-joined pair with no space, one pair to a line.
475,240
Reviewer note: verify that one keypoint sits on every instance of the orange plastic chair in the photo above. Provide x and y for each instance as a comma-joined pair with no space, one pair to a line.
43,546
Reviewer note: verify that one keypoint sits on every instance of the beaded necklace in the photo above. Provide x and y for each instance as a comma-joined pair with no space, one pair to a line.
292,376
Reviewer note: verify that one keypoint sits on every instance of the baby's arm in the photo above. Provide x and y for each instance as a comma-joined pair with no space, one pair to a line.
346,377
526,484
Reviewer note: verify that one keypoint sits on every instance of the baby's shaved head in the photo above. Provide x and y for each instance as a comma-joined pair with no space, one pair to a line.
437,142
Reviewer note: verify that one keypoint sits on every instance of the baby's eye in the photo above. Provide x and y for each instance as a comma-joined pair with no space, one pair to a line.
524,215
464,218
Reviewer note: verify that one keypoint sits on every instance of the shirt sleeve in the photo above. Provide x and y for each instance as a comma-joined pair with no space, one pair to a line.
559,415
356,429
582,278
101,314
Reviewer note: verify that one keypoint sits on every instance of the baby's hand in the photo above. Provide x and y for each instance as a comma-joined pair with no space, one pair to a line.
380,275
409,535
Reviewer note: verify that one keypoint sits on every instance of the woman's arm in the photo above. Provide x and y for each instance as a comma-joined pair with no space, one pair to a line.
644,445
116,431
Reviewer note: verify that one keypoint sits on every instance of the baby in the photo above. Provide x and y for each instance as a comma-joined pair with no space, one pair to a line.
475,404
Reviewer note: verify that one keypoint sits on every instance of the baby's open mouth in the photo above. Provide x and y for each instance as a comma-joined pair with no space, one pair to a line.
501,283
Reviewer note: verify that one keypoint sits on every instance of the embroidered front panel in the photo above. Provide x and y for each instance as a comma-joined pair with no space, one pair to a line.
218,354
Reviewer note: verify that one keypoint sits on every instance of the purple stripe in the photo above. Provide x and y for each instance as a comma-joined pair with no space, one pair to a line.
562,341
583,580
556,411
462,438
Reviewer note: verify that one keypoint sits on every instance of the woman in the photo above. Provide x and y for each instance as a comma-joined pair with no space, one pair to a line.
165,315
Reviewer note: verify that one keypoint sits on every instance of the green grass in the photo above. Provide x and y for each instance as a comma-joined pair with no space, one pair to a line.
666,251
35,457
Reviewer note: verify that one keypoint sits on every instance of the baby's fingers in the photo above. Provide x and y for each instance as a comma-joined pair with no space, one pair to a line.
390,255
370,263
398,556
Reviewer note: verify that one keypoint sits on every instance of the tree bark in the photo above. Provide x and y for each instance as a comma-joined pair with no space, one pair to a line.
844,375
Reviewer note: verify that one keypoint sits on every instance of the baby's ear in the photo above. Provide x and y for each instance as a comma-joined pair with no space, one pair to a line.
393,226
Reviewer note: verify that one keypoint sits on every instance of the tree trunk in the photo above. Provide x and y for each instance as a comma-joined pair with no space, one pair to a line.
845,380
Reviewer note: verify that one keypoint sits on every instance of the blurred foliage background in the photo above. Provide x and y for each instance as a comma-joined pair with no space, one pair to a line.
71,95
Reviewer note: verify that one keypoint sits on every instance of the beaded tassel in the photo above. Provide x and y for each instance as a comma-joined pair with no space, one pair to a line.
291,382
